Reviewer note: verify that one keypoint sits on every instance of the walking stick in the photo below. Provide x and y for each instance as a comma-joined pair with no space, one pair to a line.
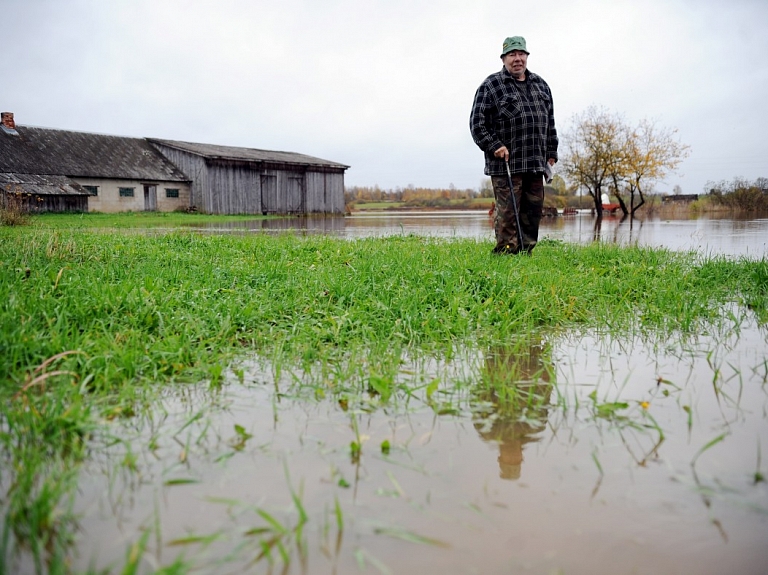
514,208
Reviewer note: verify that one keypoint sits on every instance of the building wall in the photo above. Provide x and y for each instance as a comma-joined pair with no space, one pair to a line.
295,192
325,193
335,184
233,189
194,167
108,199
679,198
40,203
291,195
222,186
316,192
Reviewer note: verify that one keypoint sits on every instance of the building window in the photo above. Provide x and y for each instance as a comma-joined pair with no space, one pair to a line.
126,192
93,190
171,192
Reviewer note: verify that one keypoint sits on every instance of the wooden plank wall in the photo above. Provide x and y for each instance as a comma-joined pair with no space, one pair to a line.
233,189
334,193
325,193
62,204
223,187
282,192
46,203
193,167
315,192
292,193
269,203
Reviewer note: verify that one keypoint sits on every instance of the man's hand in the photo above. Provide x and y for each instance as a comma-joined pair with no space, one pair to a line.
502,153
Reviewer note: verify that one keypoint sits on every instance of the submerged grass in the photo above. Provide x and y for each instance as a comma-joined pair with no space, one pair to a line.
91,323
132,220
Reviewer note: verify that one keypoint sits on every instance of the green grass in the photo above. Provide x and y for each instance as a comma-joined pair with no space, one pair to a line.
363,206
92,324
153,308
132,220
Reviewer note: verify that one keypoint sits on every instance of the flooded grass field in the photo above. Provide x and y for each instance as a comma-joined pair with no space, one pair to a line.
707,234
184,403
564,455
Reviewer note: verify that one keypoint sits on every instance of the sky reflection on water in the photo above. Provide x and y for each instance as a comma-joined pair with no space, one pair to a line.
705,235
605,470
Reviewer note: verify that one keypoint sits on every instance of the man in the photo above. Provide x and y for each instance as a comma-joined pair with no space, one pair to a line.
513,122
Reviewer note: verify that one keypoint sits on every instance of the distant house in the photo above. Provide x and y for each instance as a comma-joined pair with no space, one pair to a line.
59,170
679,198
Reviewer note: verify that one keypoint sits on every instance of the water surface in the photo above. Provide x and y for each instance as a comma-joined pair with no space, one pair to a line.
564,453
704,234
634,456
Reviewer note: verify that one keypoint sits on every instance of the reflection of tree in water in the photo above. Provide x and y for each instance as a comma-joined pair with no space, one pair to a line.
511,400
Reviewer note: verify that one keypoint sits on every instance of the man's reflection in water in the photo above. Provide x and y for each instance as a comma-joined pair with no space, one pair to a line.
512,400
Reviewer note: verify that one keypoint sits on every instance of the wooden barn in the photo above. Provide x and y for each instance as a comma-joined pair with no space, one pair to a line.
60,170
233,180
32,193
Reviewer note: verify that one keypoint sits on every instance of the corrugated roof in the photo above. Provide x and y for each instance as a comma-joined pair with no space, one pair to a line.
247,154
81,154
41,185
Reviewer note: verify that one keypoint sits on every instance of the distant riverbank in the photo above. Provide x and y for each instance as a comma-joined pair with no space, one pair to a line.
473,204
653,206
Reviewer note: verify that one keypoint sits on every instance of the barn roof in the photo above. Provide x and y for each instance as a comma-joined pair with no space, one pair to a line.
40,185
81,154
211,151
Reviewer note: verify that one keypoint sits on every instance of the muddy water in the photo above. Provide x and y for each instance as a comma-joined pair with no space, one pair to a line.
612,456
707,235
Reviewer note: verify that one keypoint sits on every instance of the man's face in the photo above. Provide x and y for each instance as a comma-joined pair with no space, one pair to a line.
515,62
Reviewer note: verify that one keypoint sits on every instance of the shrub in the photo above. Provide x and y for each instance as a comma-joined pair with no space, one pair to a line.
740,194
14,208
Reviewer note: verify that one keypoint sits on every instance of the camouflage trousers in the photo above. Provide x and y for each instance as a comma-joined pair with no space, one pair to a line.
529,193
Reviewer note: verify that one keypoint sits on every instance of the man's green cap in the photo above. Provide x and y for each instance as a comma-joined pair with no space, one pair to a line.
514,43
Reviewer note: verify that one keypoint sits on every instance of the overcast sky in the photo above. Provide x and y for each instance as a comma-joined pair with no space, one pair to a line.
386,86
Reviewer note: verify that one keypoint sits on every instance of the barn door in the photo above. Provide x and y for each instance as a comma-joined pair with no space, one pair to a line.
269,203
150,198
296,197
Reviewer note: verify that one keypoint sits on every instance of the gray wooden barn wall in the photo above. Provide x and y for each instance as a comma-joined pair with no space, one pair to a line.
232,189
193,166
290,193
241,188
44,203
325,192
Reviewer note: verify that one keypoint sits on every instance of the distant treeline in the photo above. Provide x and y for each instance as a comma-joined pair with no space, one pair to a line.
740,194
409,194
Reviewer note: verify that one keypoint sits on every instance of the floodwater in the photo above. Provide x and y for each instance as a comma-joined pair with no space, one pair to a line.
573,453
705,234
610,456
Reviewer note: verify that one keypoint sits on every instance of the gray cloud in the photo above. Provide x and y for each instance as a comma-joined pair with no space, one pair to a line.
386,86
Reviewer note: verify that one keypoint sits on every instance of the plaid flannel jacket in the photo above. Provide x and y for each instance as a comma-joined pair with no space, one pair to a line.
519,115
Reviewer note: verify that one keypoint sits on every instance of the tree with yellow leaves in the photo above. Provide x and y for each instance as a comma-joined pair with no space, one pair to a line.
651,152
604,154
